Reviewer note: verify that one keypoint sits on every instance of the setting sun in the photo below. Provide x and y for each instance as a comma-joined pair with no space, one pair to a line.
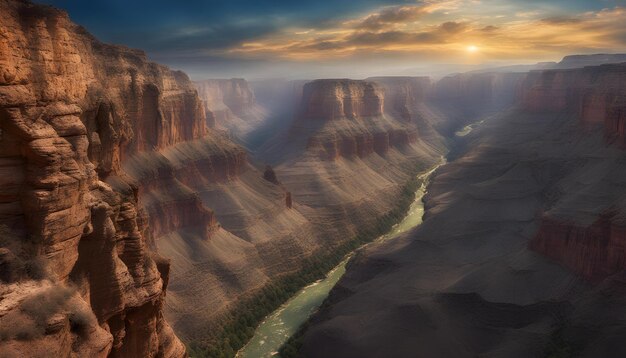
472,49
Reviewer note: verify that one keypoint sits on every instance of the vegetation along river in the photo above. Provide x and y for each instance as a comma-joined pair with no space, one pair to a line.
276,329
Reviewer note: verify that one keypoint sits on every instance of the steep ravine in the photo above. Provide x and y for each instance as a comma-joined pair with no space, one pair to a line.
282,324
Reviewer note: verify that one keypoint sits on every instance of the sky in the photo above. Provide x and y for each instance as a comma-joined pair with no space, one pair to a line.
352,38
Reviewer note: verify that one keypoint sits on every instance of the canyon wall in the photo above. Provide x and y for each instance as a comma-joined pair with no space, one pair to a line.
79,278
230,104
326,100
108,165
593,97
402,94
350,118
348,152
594,251
594,94
521,253
480,89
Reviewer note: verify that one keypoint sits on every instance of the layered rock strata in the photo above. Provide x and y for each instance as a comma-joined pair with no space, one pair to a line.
348,153
594,94
541,179
82,279
345,119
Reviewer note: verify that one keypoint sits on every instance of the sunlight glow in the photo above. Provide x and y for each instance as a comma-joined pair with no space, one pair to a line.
472,49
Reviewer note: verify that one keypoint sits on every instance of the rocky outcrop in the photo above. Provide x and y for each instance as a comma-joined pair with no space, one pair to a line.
168,182
594,252
402,94
594,94
72,110
347,119
230,104
270,175
327,100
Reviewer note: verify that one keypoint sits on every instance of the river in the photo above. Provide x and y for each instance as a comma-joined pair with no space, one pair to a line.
276,329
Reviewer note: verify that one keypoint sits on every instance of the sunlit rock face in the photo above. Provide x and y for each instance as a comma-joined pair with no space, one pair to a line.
324,100
349,118
594,94
72,110
402,94
230,104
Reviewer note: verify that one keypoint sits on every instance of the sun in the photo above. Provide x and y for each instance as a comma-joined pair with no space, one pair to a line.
472,49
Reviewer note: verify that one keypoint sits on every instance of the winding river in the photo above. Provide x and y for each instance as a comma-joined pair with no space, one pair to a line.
276,329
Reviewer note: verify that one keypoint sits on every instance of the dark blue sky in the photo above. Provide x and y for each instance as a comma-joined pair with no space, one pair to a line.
152,25
189,34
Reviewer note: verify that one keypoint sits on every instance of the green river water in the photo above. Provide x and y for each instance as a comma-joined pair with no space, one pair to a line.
276,329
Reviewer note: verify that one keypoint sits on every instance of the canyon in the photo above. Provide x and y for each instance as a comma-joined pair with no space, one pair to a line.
521,252
140,209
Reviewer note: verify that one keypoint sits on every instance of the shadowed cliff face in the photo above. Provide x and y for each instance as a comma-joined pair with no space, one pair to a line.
72,111
231,105
521,253
587,237
594,94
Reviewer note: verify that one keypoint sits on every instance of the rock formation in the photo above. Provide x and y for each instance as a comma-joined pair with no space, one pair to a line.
347,154
344,118
540,179
402,94
72,110
594,94
231,105
594,251
497,90
586,239
327,100
270,175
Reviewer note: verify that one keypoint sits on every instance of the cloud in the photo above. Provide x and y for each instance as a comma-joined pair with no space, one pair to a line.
391,15
452,27
427,31
560,20
489,28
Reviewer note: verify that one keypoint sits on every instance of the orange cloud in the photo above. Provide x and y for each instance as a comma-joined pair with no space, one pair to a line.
437,30
389,16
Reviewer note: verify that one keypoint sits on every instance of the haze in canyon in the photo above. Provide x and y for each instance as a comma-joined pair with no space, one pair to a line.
371,178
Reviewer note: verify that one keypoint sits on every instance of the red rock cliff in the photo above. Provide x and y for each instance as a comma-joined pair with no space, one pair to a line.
72,110
595,252
595,97
345,118
594,94
336,99
403,93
